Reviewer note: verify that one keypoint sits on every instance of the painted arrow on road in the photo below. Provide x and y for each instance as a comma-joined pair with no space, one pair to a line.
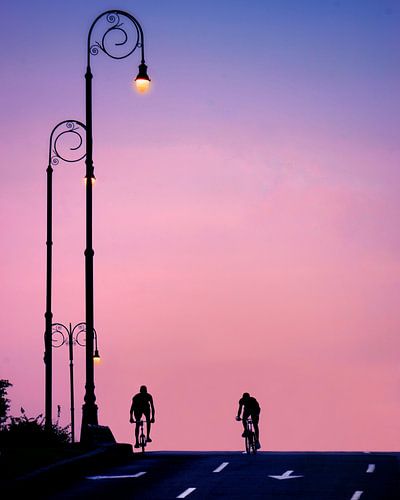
286,475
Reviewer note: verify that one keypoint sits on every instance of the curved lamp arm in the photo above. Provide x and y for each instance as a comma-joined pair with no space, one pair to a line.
61,335
71,128
118,28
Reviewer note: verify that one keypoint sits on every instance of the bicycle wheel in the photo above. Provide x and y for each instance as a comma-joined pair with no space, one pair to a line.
252,443
247,442
142,442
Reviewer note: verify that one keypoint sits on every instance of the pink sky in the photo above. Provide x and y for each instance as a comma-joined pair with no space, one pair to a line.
245,226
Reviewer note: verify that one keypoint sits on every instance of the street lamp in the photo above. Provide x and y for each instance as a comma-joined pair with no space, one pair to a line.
59,149
116,42
62,335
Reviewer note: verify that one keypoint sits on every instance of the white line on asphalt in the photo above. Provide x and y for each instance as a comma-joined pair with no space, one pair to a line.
222,466
117,477
371,468
186,493
356,495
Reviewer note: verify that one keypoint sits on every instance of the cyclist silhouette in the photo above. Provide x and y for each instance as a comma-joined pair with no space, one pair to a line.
142,403
252,409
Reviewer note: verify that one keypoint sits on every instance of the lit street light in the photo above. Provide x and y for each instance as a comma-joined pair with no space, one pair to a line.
65,145
117,42
61,335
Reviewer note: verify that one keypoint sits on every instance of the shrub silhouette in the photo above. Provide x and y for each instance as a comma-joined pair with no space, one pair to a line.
30,432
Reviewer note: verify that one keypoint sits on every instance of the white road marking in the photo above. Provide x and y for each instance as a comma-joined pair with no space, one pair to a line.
371,468
222,466
186,493
356,495
126,476
286,475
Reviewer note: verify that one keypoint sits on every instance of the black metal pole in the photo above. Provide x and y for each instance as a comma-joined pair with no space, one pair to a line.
115,20
48,313
65,127
89,409
71,381
62,335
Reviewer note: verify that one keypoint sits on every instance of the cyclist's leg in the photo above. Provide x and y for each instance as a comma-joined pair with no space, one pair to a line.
148,426
255,418
138,416
244,419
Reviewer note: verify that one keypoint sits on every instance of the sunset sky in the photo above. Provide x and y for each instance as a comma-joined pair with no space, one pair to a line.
246,218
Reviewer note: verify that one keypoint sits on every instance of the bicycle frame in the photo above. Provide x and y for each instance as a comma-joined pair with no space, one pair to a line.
250,437
142,436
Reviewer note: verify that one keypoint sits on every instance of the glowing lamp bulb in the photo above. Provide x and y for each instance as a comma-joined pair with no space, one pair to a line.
93,180
142,86
96,357
142,81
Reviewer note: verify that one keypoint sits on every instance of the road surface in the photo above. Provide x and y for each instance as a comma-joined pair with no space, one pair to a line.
234,475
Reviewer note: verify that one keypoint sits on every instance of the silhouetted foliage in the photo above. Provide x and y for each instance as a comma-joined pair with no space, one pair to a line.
27,432
4,402
31,432
24,431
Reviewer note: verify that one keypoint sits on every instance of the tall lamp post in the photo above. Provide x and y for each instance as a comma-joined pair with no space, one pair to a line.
63,335
114,41
58,150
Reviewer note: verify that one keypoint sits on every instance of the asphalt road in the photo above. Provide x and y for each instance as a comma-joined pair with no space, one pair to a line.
308,476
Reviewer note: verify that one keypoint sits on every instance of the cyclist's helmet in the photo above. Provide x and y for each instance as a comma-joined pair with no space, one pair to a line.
143,389
246,395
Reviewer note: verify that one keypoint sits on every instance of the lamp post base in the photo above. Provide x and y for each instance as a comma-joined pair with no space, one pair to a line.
98,435
89,418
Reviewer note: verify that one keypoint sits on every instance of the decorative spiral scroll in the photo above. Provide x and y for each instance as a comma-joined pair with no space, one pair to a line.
59,335
67,142
118,36
79,339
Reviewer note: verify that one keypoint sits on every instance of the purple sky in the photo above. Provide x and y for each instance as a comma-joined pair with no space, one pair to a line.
245,217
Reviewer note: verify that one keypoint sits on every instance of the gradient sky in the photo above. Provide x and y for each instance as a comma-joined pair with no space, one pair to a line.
246,216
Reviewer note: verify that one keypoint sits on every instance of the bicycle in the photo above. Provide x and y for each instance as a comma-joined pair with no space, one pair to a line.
142,436
250,437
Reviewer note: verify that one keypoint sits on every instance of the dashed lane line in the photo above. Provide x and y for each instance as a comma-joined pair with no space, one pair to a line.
357,495
371,468
126,476
186,493
221,467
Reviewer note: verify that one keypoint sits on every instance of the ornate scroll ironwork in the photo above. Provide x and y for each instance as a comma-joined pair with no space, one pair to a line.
63,134
127,36
60,334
